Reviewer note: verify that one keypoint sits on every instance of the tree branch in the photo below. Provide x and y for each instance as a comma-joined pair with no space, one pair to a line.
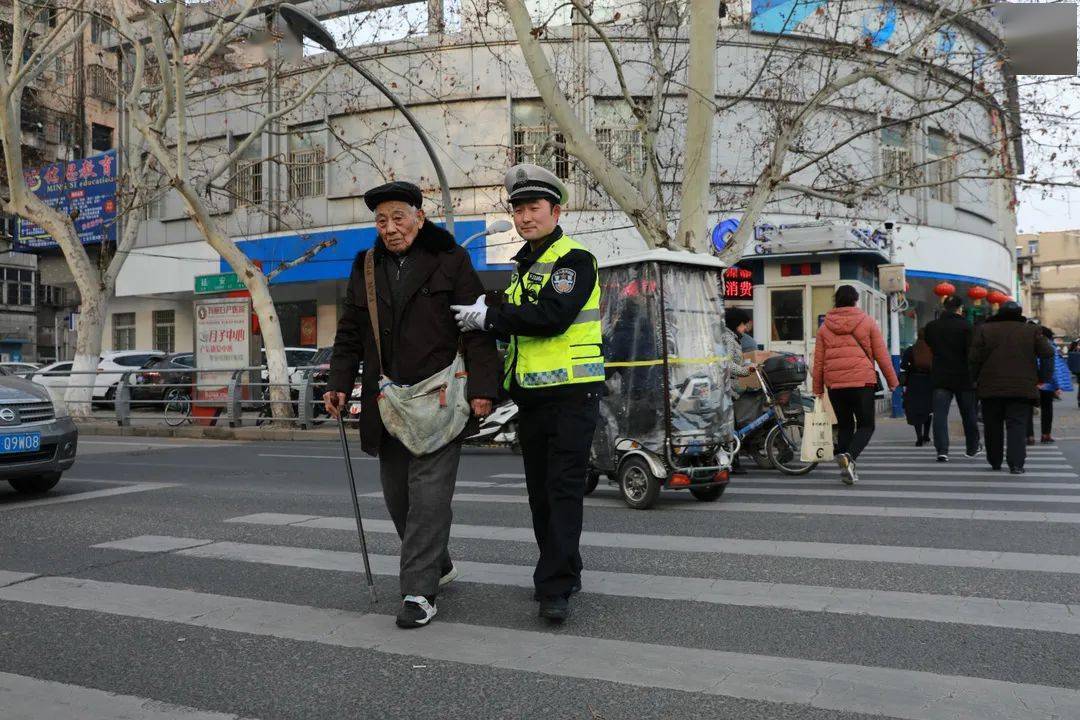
308,254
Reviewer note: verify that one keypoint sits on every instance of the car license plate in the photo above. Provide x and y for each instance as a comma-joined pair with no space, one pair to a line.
20,442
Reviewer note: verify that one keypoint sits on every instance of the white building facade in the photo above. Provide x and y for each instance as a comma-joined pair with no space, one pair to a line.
302,183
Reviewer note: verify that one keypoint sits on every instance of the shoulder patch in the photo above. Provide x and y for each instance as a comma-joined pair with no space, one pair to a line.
563,280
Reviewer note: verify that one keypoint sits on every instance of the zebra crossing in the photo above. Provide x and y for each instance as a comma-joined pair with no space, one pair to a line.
746,562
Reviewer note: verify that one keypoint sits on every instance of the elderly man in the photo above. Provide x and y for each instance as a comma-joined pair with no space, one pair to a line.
554,371
419,272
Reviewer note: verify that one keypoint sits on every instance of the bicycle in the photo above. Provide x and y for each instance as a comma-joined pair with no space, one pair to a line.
783,443
177,407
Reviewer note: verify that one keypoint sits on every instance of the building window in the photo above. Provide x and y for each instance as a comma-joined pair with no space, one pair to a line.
101,137
307,164
123,331
98,28
897,171
246,183
51,295
617,135
1036,275
787,315
940,167
101,83
59,69
538,140
19,286
165,330
60,129
1033,247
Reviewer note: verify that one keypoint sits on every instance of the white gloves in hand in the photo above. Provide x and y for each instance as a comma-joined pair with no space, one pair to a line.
471,317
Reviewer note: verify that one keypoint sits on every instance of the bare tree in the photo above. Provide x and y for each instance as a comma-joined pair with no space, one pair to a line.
166,76
25,58
801,117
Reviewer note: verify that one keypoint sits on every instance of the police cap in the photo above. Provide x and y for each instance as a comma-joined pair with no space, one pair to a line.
406,192
532,182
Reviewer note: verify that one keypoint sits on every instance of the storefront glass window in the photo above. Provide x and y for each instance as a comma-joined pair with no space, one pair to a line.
821,301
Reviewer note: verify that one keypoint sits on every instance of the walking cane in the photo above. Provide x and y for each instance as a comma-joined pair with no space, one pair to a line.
356,505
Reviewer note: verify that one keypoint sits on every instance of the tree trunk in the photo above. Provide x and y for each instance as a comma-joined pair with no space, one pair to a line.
79,394
701,106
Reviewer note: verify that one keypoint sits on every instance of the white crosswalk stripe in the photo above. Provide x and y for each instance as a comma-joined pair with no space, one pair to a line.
26,698
720,565
991,612
891,692
847,552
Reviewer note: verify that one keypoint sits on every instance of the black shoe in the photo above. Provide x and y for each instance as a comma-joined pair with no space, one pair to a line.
942,457
995,468
976,453
415,612
555,608
573,591
920,442
1017,471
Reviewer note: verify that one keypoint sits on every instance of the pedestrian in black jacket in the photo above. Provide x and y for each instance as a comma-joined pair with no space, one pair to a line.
949,338
1004,362
420,271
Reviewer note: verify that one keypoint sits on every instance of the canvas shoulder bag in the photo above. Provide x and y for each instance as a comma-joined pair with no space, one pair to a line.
426,416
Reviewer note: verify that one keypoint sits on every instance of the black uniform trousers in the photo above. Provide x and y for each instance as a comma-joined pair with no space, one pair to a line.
1005,427
555,439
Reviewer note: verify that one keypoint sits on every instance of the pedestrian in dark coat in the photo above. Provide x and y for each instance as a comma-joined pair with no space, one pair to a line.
1004,360
915,365
949,338
419,271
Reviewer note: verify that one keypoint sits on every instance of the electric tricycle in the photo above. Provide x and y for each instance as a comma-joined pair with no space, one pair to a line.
666,421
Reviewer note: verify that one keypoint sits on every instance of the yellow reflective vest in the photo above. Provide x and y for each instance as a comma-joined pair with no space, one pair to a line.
573,357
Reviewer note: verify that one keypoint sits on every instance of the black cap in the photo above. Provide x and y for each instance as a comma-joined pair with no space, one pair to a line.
406,192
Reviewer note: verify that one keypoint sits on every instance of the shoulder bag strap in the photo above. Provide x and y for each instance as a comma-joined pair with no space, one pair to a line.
373,306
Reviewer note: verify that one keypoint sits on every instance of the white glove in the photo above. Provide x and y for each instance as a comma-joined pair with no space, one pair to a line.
471,317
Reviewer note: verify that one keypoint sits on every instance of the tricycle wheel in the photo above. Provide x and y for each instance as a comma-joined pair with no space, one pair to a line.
592,479
638,484
708,494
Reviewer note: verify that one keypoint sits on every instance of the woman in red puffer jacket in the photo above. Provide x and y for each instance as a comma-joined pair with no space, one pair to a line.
848,344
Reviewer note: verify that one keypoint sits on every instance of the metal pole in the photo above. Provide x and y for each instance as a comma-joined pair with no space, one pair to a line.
356,505
895,401
448,208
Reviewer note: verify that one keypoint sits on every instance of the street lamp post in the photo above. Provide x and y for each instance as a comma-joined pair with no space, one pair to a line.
303,24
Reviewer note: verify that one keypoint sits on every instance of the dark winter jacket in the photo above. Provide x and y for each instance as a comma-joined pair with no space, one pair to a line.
421,337
918,389
949,338
1004,358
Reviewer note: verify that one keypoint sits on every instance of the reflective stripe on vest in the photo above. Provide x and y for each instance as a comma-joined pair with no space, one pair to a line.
574,357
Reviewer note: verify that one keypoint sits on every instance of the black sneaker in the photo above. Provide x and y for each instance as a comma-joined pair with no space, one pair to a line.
1017,471
573,591
555,608
976,453
943,458
415,612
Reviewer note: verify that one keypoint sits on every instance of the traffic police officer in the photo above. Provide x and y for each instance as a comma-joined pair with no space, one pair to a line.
554,371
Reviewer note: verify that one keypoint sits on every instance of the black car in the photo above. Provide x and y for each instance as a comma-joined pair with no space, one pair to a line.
160,375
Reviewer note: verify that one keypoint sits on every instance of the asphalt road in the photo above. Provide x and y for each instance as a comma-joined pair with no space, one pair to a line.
206,580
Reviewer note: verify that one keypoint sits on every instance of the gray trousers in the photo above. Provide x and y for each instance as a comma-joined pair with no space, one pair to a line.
418,491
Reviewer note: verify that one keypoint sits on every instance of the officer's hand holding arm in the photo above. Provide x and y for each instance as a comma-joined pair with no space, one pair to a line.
471,317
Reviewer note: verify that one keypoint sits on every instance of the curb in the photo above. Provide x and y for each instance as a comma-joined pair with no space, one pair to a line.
206,432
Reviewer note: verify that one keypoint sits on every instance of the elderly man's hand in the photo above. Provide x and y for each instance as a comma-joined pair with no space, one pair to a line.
334,403
481,407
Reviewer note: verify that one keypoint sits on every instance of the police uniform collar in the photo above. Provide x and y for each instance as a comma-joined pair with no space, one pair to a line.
528,256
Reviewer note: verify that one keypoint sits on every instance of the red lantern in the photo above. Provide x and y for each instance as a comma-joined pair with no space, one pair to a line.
977,293
997,297
944,290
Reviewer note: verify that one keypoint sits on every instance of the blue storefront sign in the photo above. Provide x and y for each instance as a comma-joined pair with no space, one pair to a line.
335,262
85,188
